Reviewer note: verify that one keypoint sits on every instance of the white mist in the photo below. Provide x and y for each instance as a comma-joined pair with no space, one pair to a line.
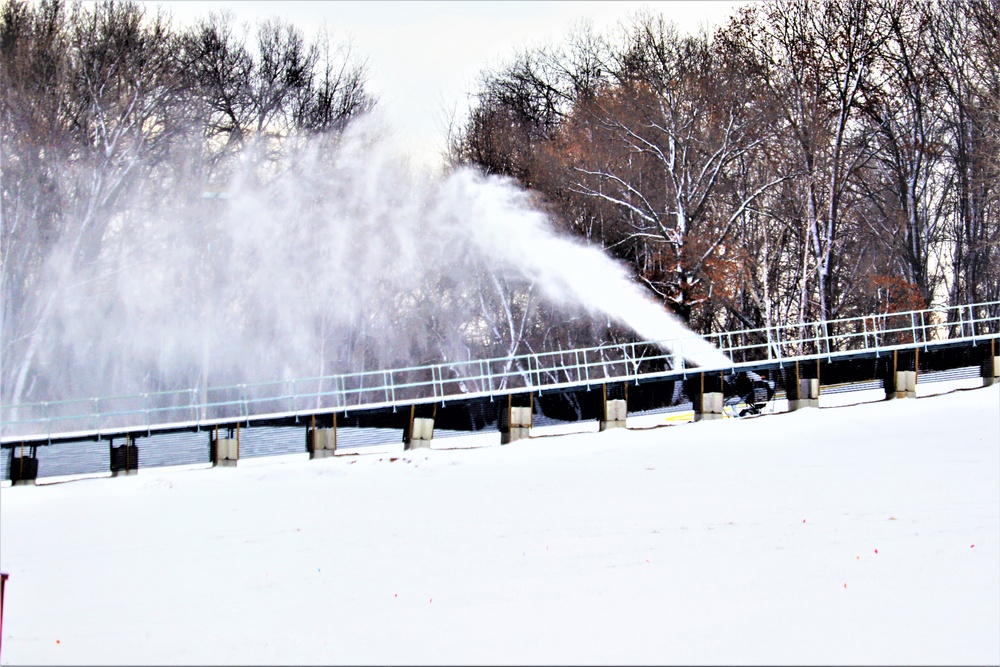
340,257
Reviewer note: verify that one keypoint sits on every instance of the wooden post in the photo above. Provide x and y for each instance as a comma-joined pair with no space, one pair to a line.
226,451
24,469
519,420
125,458
321,442
889,378
709,404
420,430
906,380
991,365
806,390
615,410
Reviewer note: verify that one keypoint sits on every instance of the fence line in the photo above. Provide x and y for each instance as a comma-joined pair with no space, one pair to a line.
191,407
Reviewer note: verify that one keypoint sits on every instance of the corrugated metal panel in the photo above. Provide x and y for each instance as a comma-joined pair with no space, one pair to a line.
75,458
367,436
173,449
686,406
850,386
271,441
90,457
454,433
964,373
538,419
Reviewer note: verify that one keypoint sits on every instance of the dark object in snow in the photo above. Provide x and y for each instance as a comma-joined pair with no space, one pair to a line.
23,468
3,585
124,458
751,389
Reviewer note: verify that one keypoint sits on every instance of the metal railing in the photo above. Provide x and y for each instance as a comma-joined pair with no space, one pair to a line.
196,408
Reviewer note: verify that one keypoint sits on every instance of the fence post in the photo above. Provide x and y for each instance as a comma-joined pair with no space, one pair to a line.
321,442
906,380
516,420
615,409
124,458
803,392
991,365
889,376
420,428
707,405
225,452
24,469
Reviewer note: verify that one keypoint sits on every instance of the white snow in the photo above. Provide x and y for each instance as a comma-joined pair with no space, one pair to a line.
867,534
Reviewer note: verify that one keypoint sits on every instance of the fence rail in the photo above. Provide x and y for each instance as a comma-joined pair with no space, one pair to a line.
192,407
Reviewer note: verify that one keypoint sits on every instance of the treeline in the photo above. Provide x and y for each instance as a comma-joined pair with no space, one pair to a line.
186,207
807,160
111,114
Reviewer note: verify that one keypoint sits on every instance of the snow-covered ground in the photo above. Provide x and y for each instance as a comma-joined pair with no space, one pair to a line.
866,534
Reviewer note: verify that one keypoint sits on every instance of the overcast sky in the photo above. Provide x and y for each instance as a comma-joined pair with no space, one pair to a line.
424,57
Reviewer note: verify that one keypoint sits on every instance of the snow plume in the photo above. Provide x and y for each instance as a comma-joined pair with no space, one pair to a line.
337,257
521,241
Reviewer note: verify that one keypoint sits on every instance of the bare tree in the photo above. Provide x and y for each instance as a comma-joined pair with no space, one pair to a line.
816,57
905,185
678,117
108,117
270,84
113,91
964,35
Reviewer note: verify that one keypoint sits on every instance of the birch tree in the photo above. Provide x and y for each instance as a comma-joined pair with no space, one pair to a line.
910,187
658,145
965,35
816,56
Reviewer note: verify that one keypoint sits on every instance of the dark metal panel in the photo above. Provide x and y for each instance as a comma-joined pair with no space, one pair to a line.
570,405
271,441
851,387
74,458
367,436
173,449
964,373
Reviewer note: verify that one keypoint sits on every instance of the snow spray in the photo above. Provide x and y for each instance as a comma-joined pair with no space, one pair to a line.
524,242
336,257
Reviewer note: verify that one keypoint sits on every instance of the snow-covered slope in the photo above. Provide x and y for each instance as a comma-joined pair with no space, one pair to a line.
866,534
